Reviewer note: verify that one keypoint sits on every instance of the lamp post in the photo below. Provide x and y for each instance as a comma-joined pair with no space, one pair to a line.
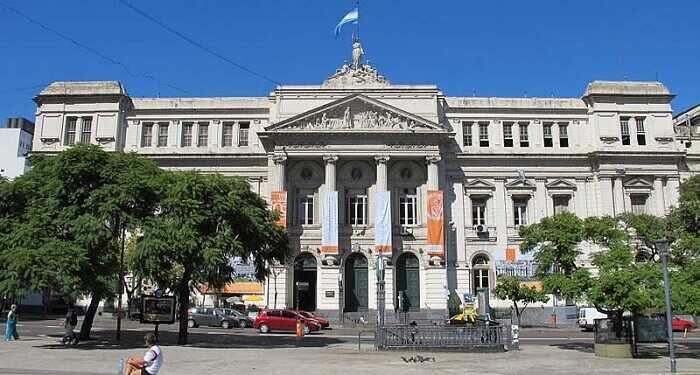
662,248
381,295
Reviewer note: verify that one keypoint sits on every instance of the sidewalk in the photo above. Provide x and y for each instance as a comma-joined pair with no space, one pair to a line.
44,356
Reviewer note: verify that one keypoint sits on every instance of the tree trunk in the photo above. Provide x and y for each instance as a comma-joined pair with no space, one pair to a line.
184,296
517,313
86,327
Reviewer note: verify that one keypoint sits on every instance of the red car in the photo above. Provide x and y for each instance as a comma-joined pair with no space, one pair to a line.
323,322
679,324
283,320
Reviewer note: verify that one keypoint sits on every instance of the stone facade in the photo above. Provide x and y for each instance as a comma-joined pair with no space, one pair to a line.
499,162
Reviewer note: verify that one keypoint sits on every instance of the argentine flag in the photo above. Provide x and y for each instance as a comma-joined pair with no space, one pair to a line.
352,16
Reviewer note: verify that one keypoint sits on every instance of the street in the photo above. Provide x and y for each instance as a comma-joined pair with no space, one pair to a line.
245,351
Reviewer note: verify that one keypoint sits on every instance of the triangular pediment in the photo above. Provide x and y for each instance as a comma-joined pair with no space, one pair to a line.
356,112
479,184
561,185
520,184
638,183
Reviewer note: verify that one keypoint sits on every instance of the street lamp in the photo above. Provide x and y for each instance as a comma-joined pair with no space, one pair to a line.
662,248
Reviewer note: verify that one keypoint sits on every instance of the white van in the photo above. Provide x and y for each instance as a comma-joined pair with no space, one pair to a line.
587,317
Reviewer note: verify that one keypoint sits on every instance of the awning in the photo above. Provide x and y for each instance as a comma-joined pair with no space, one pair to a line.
252,298
235,288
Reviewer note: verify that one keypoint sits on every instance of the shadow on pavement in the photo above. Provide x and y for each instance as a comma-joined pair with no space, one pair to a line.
644,351
132,340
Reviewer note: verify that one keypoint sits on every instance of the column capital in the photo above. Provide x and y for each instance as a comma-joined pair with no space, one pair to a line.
279,158
330,158
381,159
433,159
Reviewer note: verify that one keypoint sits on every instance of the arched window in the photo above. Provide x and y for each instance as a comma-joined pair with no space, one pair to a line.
481,268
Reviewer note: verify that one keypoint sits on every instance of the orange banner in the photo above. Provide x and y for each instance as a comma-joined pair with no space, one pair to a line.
436,227
510,254
279,204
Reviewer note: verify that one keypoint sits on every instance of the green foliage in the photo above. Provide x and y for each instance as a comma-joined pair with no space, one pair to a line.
203,222
685,284
684,223
454,303
63,220
555,241
511,288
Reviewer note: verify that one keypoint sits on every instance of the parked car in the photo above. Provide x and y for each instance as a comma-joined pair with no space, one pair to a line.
283,320
207,316
587,317
323,322
679,324
242,320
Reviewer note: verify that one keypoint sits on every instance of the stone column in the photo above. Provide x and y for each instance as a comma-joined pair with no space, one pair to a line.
660,207
618,196
330,171
278,182
382,174
433,167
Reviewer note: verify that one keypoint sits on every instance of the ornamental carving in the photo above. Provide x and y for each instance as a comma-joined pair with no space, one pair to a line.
364,75
361,119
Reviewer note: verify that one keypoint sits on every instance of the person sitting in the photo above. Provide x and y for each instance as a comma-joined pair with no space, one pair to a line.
151,362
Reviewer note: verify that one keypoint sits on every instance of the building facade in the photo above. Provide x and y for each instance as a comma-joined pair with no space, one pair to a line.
361,167
15,143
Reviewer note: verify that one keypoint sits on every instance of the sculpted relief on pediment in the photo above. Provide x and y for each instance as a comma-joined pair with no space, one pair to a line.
356,116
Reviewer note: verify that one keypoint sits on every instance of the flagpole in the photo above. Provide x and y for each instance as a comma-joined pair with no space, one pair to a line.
357,5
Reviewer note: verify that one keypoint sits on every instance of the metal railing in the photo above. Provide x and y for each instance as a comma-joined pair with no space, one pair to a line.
440,337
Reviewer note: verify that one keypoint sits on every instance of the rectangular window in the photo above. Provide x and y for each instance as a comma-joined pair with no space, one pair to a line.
407,207
147,134
481,278
71,124
162,134
356,207
203,134
547,132
478,211
467,133
483,134
641,134
519,211
508,134
243,134
187,134
306,209
85,130
227,134
524,138
561,203
563,135
638,203
625,130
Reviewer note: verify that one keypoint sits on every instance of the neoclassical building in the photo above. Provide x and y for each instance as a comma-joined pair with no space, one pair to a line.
361,167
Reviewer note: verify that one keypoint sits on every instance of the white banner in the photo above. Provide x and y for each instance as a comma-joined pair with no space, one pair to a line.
382,222
329,224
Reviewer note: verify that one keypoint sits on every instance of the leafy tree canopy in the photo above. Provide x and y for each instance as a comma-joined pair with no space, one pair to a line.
511,288
203,222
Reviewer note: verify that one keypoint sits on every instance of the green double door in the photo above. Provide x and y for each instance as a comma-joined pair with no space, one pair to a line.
356,284
408,283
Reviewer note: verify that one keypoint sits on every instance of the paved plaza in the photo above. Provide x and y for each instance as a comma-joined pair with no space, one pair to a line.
277,354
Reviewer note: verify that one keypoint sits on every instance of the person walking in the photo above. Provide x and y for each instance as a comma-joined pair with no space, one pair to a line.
69,324
11,326
151,362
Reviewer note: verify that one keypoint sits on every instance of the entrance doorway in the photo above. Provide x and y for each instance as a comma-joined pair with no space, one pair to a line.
356,284
407,283
305,282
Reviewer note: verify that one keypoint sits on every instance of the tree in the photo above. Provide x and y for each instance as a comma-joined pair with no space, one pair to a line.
203,221
555,242
511,288
62,229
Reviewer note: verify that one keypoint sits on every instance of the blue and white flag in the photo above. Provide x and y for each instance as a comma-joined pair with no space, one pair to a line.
352,16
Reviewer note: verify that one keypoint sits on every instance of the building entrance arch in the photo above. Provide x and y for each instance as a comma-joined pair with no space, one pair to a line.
407,283
305,269
356,283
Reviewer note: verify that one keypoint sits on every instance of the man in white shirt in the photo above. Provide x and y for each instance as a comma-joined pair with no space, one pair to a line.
151,362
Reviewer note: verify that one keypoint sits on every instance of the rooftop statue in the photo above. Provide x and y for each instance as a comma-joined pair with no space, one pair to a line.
357,73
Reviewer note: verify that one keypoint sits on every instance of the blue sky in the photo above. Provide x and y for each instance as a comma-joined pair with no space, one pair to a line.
484,48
